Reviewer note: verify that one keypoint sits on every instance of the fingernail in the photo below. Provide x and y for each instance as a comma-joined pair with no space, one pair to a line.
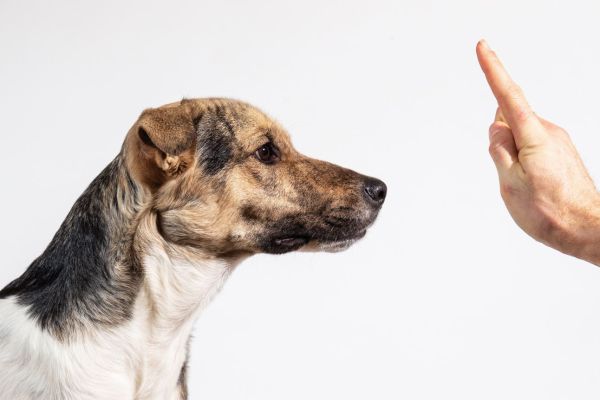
484,44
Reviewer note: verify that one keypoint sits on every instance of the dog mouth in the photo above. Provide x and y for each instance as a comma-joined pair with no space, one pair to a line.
309,243
291,243
336,245
332,232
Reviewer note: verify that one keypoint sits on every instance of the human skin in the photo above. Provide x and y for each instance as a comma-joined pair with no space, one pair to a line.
543,181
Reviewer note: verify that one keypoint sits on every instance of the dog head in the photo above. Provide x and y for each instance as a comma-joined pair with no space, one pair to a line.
225,177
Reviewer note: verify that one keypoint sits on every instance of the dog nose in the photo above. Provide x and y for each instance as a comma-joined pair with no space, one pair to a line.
375,191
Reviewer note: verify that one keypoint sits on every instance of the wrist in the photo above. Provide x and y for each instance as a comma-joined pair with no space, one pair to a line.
587,235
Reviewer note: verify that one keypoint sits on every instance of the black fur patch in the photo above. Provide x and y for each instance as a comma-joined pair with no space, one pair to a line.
322,227
251,213
73,280
215,142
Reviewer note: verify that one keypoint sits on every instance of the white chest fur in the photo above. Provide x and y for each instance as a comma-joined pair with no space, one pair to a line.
139,360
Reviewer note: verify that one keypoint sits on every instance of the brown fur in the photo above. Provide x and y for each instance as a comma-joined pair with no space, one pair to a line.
199,180
245,204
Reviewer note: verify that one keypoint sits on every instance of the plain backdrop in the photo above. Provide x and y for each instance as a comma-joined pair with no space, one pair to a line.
445,298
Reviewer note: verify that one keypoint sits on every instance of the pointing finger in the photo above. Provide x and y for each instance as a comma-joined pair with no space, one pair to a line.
515,109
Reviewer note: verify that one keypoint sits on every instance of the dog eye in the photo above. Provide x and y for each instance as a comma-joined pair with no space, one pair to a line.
267,153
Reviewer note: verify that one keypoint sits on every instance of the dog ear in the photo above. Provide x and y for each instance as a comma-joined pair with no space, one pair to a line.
163,144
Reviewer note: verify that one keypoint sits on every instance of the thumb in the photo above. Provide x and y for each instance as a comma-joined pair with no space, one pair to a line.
502,146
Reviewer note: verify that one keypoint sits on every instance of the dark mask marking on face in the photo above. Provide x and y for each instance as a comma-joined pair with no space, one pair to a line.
280,236
214,145
251,213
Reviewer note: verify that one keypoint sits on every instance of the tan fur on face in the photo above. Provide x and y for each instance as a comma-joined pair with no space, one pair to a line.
210,191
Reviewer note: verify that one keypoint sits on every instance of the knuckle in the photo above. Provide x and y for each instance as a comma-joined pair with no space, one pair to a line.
507,190
493,149
499,139
522,112
495,131
496,126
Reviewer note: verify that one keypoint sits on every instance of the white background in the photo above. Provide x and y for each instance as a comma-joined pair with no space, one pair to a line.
445,298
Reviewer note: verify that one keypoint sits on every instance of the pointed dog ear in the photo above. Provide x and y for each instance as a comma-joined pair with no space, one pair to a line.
161,144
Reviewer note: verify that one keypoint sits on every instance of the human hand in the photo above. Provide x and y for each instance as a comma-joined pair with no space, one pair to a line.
543,182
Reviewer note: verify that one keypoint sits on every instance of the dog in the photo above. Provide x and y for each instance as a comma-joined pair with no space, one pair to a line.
106,311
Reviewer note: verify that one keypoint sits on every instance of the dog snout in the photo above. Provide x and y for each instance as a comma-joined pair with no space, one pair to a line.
375,191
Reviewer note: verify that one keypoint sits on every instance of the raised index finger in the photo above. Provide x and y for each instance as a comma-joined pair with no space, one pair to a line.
510,97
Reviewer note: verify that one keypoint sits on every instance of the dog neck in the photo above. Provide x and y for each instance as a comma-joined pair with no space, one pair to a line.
178,284
107,253
111,284
179,281
74,283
